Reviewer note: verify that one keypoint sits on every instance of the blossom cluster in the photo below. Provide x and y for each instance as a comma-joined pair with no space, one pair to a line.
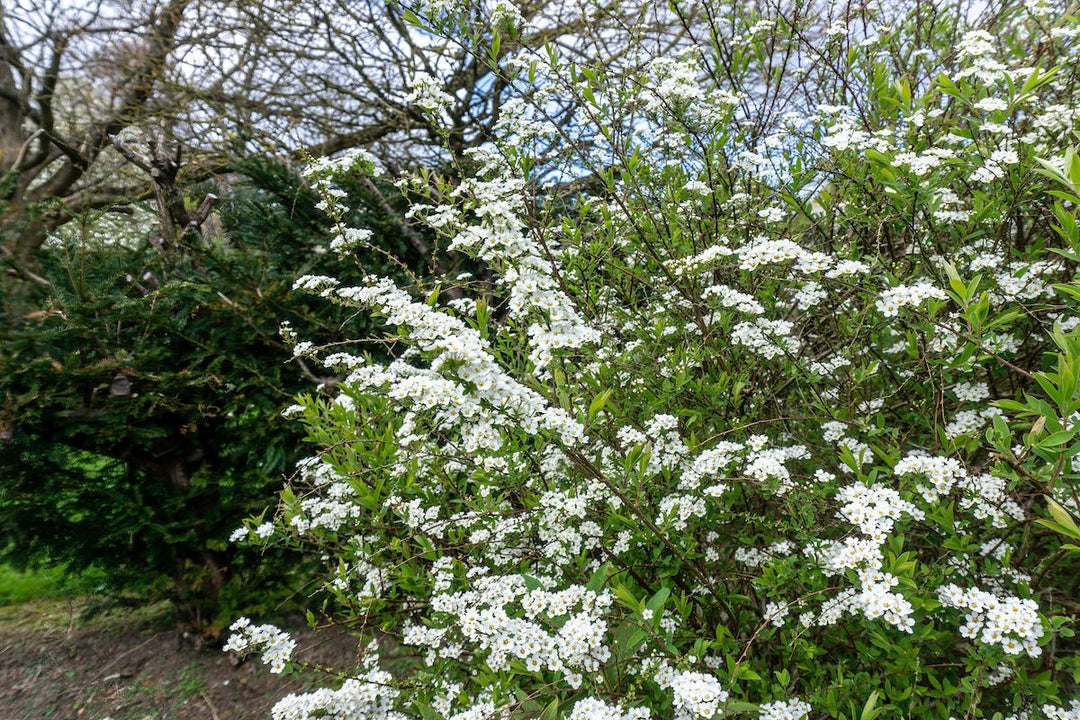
502,617
1012,623
694,694
275,644
794,709
902,296
371,695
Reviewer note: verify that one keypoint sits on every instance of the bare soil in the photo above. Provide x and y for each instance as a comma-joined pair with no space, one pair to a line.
131,665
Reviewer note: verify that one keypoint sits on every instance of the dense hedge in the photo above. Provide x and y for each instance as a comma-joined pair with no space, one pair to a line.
141,395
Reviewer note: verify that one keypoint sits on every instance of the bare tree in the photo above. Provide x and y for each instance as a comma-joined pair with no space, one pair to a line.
222,78
45,158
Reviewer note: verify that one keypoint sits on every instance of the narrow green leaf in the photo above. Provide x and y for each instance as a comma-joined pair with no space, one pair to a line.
598,403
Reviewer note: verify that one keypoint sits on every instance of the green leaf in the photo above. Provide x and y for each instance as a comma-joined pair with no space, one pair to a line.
748,674
636,638
596,582
551,712
1056,527
598,403
1070,289
532,583
1054,439
483,312
870,709
626,597
656,602
1062,516
425,710
955,282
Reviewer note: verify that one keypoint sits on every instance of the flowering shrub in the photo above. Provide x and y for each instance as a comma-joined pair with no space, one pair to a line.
766,402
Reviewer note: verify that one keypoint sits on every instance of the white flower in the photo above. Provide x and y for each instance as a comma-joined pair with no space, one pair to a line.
971,392
793,709
275,645
894,299
768,338
990,104
427,93
370,695
775,613
699,694
349,238
596,709
1010,622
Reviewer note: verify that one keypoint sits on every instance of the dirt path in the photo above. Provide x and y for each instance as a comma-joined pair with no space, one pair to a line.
127,666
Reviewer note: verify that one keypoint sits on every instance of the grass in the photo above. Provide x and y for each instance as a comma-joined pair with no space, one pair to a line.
20,587
23,586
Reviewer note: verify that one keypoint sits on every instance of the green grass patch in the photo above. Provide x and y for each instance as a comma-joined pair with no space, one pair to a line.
22,586
19,587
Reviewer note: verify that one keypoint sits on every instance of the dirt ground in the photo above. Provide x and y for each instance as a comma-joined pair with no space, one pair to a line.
130,665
